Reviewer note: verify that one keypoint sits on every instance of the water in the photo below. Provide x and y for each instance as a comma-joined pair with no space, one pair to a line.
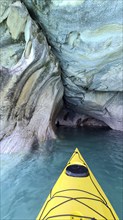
26,184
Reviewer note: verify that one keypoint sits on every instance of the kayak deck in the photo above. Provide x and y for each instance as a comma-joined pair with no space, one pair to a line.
77,195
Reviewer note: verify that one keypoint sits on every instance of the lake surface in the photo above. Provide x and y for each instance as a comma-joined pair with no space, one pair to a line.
26,184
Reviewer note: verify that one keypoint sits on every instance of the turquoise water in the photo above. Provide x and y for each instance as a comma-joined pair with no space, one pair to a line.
24,187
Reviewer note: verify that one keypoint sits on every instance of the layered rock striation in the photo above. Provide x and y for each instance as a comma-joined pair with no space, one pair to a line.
86,36
31,87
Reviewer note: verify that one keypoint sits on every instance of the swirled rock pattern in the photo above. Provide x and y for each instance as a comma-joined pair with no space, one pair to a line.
31,87
86,36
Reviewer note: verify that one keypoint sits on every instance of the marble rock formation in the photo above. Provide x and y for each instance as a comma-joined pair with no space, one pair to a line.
69,118
31,87
86,36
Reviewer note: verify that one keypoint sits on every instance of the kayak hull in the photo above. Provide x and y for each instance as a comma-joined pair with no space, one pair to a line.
77,195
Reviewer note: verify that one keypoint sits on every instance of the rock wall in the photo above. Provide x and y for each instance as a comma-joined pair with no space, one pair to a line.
86,36
31,87
70,118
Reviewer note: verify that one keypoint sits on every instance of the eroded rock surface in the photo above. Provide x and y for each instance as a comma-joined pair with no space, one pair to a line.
70,118
31,88
87,39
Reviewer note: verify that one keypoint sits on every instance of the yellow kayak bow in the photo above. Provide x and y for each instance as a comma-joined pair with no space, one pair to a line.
77,195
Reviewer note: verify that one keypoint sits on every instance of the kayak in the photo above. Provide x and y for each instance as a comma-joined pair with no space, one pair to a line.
77,195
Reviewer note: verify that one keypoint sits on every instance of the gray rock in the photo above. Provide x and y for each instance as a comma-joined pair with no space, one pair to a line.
31,87
86,36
